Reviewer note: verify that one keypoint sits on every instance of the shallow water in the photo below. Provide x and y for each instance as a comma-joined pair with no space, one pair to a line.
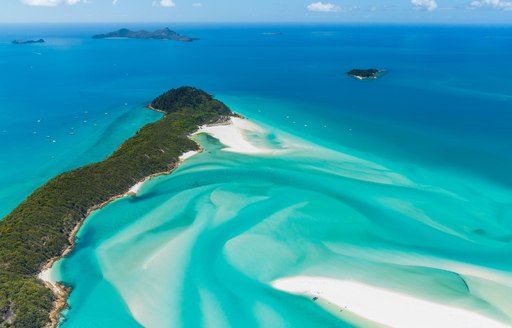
201,247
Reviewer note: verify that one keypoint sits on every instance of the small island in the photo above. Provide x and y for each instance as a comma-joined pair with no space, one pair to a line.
163,34
363,74
28,41
42,229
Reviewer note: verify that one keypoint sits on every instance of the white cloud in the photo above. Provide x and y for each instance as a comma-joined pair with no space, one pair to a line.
167,3
324,7
197,4
114,2
49,3
495,4
429,5
43,3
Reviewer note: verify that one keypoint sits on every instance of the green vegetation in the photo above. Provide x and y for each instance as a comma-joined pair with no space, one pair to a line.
370,73
39,228
163,34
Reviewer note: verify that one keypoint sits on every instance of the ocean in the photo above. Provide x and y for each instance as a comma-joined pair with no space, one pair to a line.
401,184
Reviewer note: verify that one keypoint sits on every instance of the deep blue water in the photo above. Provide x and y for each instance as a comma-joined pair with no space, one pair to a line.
445,100
441,115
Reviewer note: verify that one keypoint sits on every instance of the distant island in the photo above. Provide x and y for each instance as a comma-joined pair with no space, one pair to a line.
42,229
363,74
28,41
163,34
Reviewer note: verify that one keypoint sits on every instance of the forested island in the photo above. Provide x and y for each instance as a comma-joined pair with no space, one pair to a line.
163,34
28,41
362,74
43,227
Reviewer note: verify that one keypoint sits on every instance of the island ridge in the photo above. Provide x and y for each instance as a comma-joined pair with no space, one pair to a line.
363,74
163,34
27,41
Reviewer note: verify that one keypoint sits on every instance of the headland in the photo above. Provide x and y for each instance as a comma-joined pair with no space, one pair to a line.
42,229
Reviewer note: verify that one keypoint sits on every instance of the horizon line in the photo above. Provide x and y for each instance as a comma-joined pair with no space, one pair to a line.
265,23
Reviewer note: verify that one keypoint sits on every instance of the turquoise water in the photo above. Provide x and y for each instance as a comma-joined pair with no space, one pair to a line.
200,247
401,183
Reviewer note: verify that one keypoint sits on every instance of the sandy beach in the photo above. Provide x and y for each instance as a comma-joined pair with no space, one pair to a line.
136,187
235,136
46,276
374,305
188,155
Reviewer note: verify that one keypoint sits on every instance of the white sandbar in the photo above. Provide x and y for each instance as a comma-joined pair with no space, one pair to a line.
384,306
234,135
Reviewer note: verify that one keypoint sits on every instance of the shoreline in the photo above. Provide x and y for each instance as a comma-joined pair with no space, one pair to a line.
62,292
361,304
233,135
154,109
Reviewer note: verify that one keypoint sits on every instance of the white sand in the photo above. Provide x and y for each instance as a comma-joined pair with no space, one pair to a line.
135,189
46,276
187,155
234,136
245,137
383,306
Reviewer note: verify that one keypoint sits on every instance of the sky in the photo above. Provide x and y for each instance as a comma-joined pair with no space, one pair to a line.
253,11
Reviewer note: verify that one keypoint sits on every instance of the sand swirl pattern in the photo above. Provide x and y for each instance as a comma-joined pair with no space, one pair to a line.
263,229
